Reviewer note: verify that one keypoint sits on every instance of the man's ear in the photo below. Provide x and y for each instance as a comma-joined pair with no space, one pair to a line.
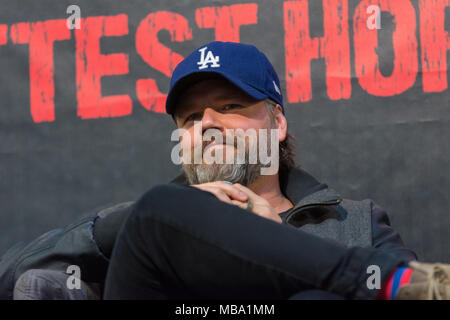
281,122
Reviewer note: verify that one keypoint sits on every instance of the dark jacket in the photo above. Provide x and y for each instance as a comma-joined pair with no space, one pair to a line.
88,242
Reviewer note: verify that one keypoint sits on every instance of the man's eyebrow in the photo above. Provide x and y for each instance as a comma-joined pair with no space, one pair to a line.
234,95
221,97
185,112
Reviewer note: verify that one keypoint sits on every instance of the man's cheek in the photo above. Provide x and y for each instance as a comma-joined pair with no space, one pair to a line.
186,144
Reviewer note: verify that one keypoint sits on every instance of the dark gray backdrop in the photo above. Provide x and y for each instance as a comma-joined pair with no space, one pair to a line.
393,150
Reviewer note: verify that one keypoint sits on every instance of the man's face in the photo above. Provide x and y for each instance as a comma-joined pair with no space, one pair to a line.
218,104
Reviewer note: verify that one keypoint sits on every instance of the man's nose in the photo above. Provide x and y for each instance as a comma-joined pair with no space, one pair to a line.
212,120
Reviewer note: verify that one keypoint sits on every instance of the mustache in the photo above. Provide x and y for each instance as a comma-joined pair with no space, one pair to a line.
226,140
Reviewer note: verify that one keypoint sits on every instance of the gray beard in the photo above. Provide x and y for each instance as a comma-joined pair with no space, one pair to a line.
244,174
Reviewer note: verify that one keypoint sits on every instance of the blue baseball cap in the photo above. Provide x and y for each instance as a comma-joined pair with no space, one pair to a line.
241,64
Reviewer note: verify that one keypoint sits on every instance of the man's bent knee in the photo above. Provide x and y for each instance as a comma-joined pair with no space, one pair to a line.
172,200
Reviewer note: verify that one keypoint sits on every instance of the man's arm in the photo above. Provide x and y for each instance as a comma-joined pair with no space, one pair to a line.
86,243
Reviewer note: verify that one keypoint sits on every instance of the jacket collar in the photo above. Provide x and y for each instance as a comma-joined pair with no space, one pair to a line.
301,188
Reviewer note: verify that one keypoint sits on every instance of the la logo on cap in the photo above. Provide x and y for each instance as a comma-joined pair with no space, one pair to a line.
210,59
276,88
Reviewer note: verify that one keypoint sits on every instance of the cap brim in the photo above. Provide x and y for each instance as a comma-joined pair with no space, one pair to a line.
183,83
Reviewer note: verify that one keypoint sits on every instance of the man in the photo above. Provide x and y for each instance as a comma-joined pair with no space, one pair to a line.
227,230
231,233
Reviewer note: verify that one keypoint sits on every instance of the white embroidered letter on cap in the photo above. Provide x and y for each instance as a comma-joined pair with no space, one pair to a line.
210,58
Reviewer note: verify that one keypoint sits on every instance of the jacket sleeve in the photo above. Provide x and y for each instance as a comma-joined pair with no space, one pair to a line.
385,237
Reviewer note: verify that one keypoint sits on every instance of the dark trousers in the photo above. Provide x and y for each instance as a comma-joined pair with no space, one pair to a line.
183,243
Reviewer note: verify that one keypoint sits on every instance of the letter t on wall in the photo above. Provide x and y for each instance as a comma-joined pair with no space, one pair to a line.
3,34
40,37
227,20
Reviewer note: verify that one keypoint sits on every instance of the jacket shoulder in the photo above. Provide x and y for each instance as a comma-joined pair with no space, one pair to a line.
383,235
348,223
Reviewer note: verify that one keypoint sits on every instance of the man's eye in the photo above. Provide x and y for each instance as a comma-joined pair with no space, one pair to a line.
230,106
193,117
